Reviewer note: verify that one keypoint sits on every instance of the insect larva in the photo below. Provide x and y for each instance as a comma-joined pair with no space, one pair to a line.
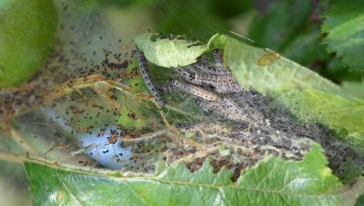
220,83
234,112
211,69
218,68
196,90
147,77
208,106
225,108
218,58
183,73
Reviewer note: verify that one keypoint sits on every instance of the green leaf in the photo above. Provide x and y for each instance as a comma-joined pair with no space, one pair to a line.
309,96
27,32
345,28
356,88
169,52
273,182
274,29
306,49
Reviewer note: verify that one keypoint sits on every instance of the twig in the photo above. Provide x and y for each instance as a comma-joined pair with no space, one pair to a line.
11,157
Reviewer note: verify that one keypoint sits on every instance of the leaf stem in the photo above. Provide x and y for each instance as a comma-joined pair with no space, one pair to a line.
11,157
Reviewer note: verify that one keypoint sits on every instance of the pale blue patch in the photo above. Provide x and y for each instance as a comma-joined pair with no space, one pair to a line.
99,148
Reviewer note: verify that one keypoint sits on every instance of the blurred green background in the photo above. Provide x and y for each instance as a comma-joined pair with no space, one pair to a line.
290,27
